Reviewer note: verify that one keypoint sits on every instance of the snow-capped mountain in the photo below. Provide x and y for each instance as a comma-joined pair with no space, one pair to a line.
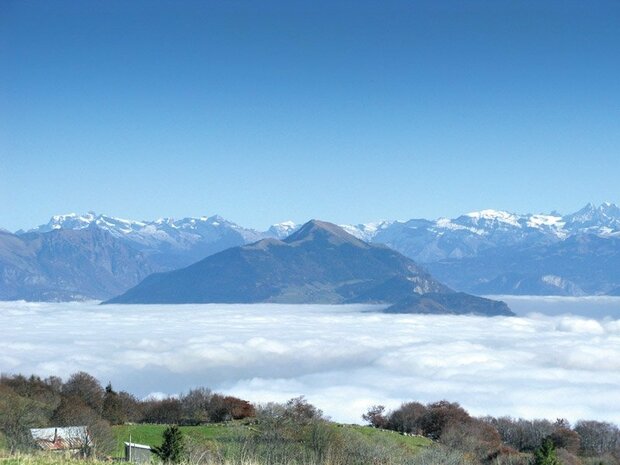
497,252
282,230
366,231
467,235
182,234
484,252
602,221
168,242
424,240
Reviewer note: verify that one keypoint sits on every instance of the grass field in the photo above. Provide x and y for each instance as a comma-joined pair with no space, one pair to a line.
151,435
412,443
45,459
227,435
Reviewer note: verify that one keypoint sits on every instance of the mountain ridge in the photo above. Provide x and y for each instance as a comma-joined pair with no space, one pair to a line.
318,264
68,265
483,252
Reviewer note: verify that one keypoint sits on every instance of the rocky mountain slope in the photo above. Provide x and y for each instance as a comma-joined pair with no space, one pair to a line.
319,263
169,243
68,265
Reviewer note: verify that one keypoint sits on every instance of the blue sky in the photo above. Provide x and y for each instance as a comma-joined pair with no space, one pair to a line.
346,111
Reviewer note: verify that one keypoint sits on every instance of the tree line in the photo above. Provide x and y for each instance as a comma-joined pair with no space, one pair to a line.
489,438
298,432
34,402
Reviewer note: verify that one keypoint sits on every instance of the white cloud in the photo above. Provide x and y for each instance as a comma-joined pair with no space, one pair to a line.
343,358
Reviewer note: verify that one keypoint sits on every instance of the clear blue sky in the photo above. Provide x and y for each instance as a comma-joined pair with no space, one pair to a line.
348,111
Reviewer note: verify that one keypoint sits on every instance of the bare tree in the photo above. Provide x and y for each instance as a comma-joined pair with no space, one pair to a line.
407,418
166,411
475,437
597,437
85,387
565,438
439,416
72,411
375,416
195,405
17,415
523,435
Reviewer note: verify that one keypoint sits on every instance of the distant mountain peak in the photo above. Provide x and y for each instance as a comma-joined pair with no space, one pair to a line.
282,230
607,215
317,229
319,263
610,209
494,215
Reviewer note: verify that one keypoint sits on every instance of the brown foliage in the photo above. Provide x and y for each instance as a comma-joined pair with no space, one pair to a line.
474,437
441,415
375,416
565,438
85,387
568,458
163,411
407,418
239,408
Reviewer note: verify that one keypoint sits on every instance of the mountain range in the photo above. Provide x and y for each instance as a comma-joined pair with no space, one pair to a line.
486,252
320,263
68,265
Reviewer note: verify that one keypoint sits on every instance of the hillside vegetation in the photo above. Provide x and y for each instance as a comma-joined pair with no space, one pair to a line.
218,430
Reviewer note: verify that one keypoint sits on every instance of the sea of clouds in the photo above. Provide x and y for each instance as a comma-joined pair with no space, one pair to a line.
543,363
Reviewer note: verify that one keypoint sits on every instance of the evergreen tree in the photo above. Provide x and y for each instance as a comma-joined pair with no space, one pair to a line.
545,454
171,449
112,409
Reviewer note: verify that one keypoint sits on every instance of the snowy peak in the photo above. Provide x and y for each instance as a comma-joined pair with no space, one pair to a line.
493,215
73,221
367,231
603,220
317,230
168,233
282,230
421,239
67,221
363,231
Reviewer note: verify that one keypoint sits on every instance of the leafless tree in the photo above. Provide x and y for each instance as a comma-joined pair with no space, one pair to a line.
17,415
597,437
87,388
195,405
407,418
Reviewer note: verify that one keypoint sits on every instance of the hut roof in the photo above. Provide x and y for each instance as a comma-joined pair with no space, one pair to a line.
65,438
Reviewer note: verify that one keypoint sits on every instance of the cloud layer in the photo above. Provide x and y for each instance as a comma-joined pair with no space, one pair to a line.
342,358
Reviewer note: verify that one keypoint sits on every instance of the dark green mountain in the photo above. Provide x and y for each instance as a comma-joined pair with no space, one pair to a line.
320,263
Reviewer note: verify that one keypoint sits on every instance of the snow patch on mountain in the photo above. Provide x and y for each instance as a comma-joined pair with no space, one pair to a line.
494,215
178,234
424,240
366,231
282,230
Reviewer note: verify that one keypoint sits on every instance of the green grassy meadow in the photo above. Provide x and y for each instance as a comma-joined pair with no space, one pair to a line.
226,437
411,443
151,435
228,433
